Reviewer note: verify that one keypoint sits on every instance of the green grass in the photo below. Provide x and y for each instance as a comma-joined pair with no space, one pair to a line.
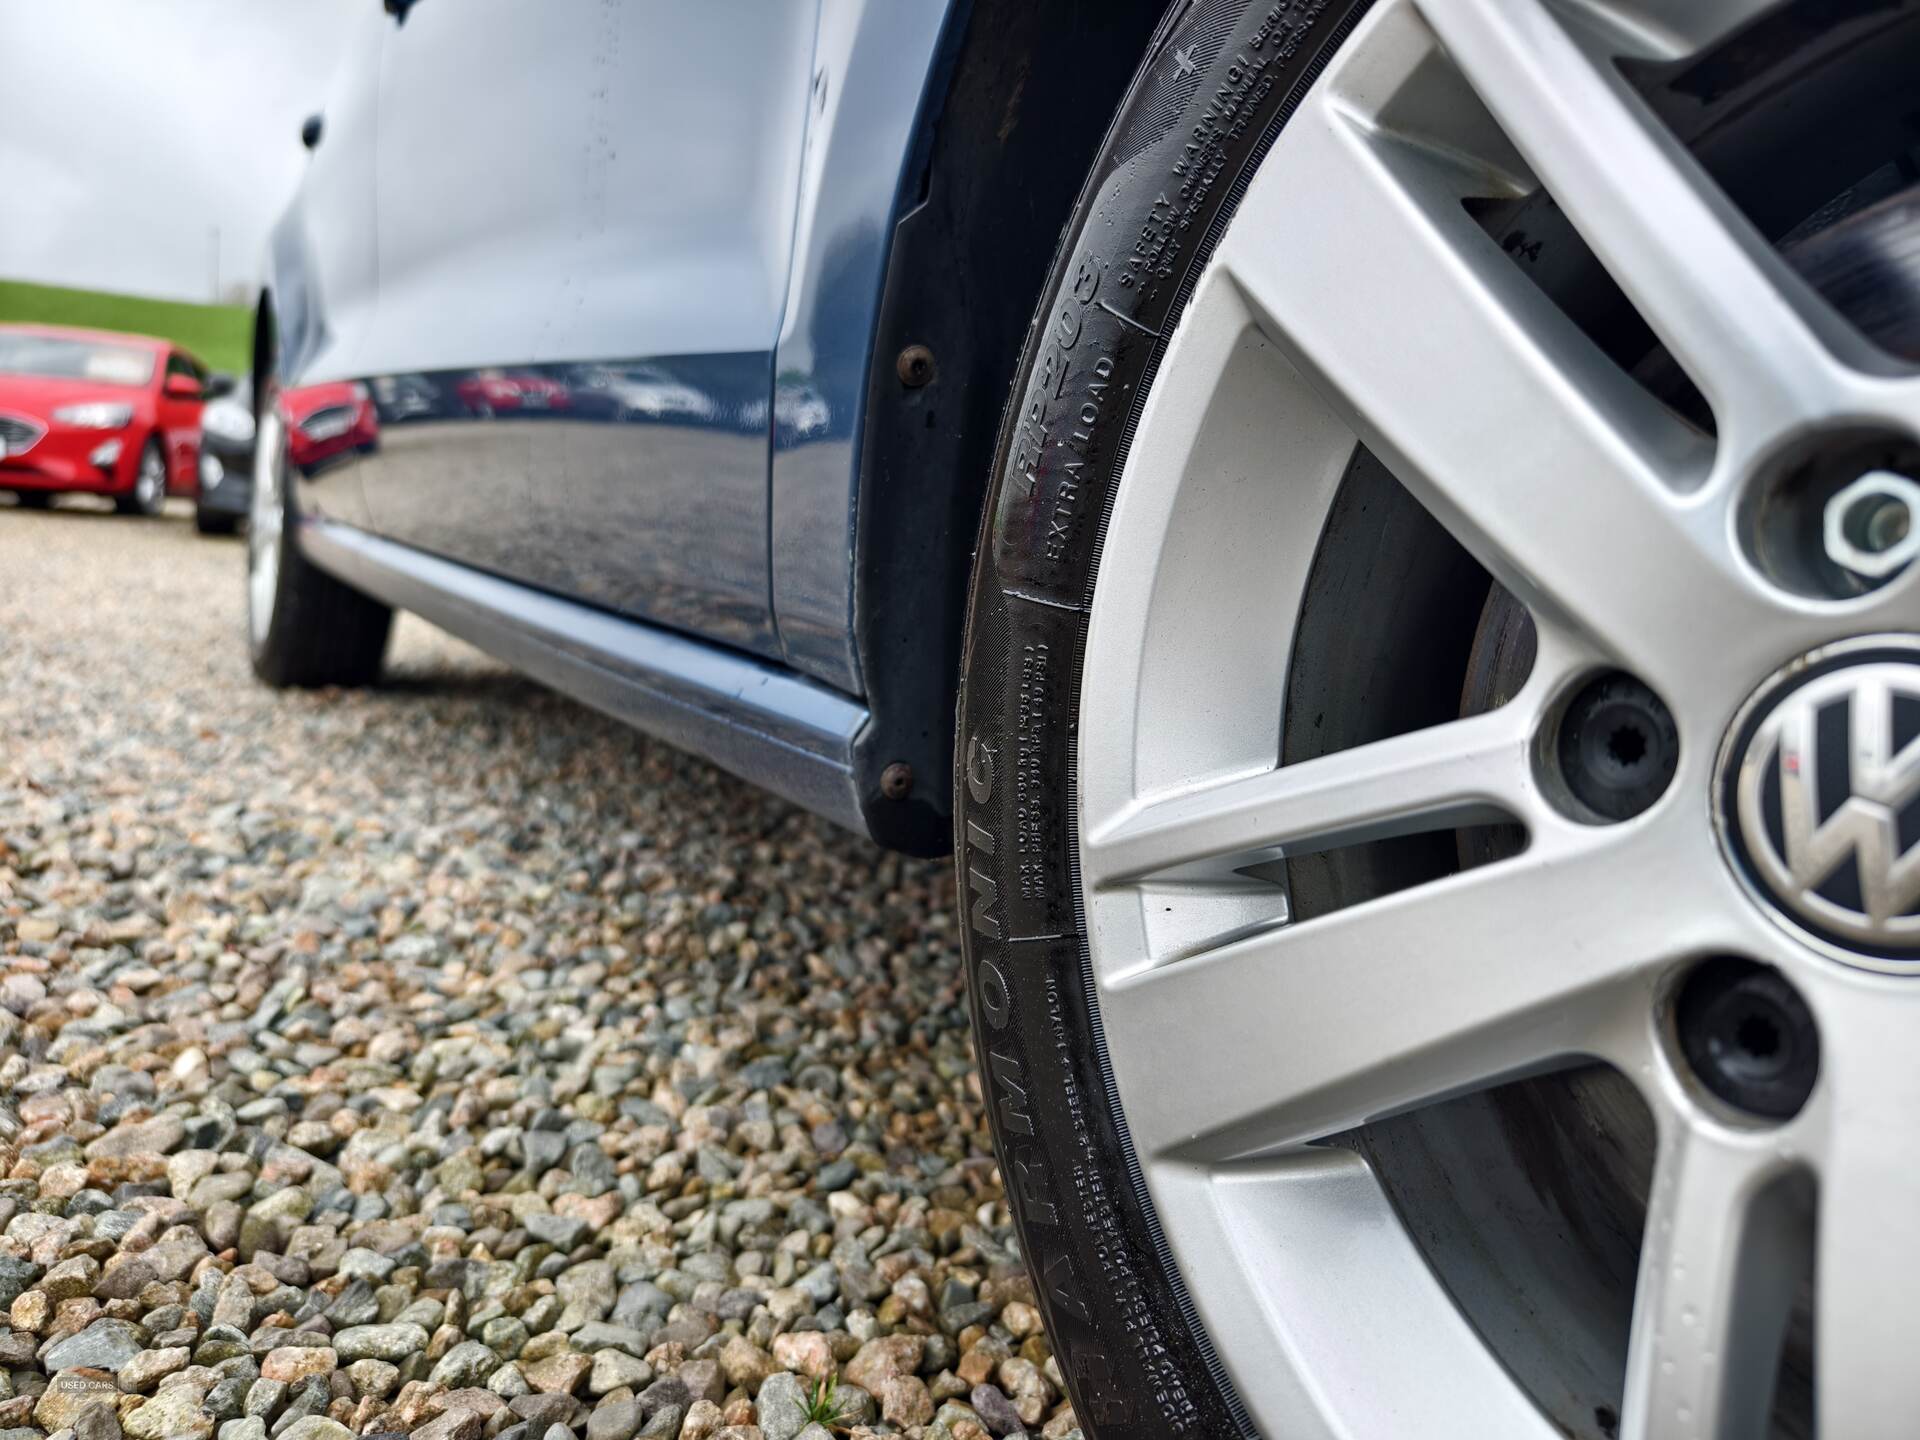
823,1406
220,335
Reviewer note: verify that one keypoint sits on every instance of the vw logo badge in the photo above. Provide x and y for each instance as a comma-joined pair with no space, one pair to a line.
1820,796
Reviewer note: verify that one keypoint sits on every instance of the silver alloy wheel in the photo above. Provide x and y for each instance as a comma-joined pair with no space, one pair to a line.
1380,314
266,520
150,481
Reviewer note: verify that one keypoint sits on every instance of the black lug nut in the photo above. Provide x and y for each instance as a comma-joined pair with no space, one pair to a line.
1618,746
1749,1036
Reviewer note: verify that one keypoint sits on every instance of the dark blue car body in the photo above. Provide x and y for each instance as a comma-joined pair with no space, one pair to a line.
688,326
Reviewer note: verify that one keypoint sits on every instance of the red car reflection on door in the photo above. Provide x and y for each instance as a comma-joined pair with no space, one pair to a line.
99,412
487,393
329,420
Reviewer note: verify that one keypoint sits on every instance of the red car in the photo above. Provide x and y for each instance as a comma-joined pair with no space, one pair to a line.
103,413
329,420
487,393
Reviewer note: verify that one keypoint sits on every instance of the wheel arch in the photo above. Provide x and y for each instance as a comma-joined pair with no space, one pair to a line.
1021,100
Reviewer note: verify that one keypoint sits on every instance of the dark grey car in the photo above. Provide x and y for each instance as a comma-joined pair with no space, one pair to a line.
227,429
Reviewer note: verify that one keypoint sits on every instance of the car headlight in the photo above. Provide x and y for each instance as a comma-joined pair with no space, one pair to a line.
228,420
328,424
94,415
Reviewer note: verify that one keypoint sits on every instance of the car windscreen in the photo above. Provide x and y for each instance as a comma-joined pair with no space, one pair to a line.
62,357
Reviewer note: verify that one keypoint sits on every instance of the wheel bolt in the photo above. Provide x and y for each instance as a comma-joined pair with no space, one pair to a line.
1749,1037
1868,526
1618,746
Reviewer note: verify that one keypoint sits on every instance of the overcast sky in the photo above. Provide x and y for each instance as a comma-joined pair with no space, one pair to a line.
134,131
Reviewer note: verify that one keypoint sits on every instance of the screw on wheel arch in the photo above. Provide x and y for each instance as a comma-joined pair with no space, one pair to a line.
1459,457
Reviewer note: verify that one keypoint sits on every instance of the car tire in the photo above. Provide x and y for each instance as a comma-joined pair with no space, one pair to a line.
34,499
148,496
214,522
1336,1088
305,628
1136,1361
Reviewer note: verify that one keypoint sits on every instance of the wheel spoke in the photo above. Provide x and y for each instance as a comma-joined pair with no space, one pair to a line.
1719,1268
1867,1301
1561,474
1310,1029
1462,773
1755,338
1305,1266
1661,30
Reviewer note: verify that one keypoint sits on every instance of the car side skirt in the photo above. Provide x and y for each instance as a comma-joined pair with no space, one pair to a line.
767,725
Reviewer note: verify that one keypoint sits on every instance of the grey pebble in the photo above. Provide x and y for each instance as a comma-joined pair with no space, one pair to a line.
615,1420
104,1345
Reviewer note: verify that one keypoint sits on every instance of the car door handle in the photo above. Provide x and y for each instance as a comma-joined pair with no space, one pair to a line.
398,9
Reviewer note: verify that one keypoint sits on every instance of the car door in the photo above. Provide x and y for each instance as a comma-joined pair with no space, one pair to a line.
181,396
585,214
323,287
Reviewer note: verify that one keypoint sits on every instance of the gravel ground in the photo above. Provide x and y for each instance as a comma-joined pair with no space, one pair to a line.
447,1060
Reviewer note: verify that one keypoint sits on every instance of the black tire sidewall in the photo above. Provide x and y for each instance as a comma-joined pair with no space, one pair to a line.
1218,82
322,630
